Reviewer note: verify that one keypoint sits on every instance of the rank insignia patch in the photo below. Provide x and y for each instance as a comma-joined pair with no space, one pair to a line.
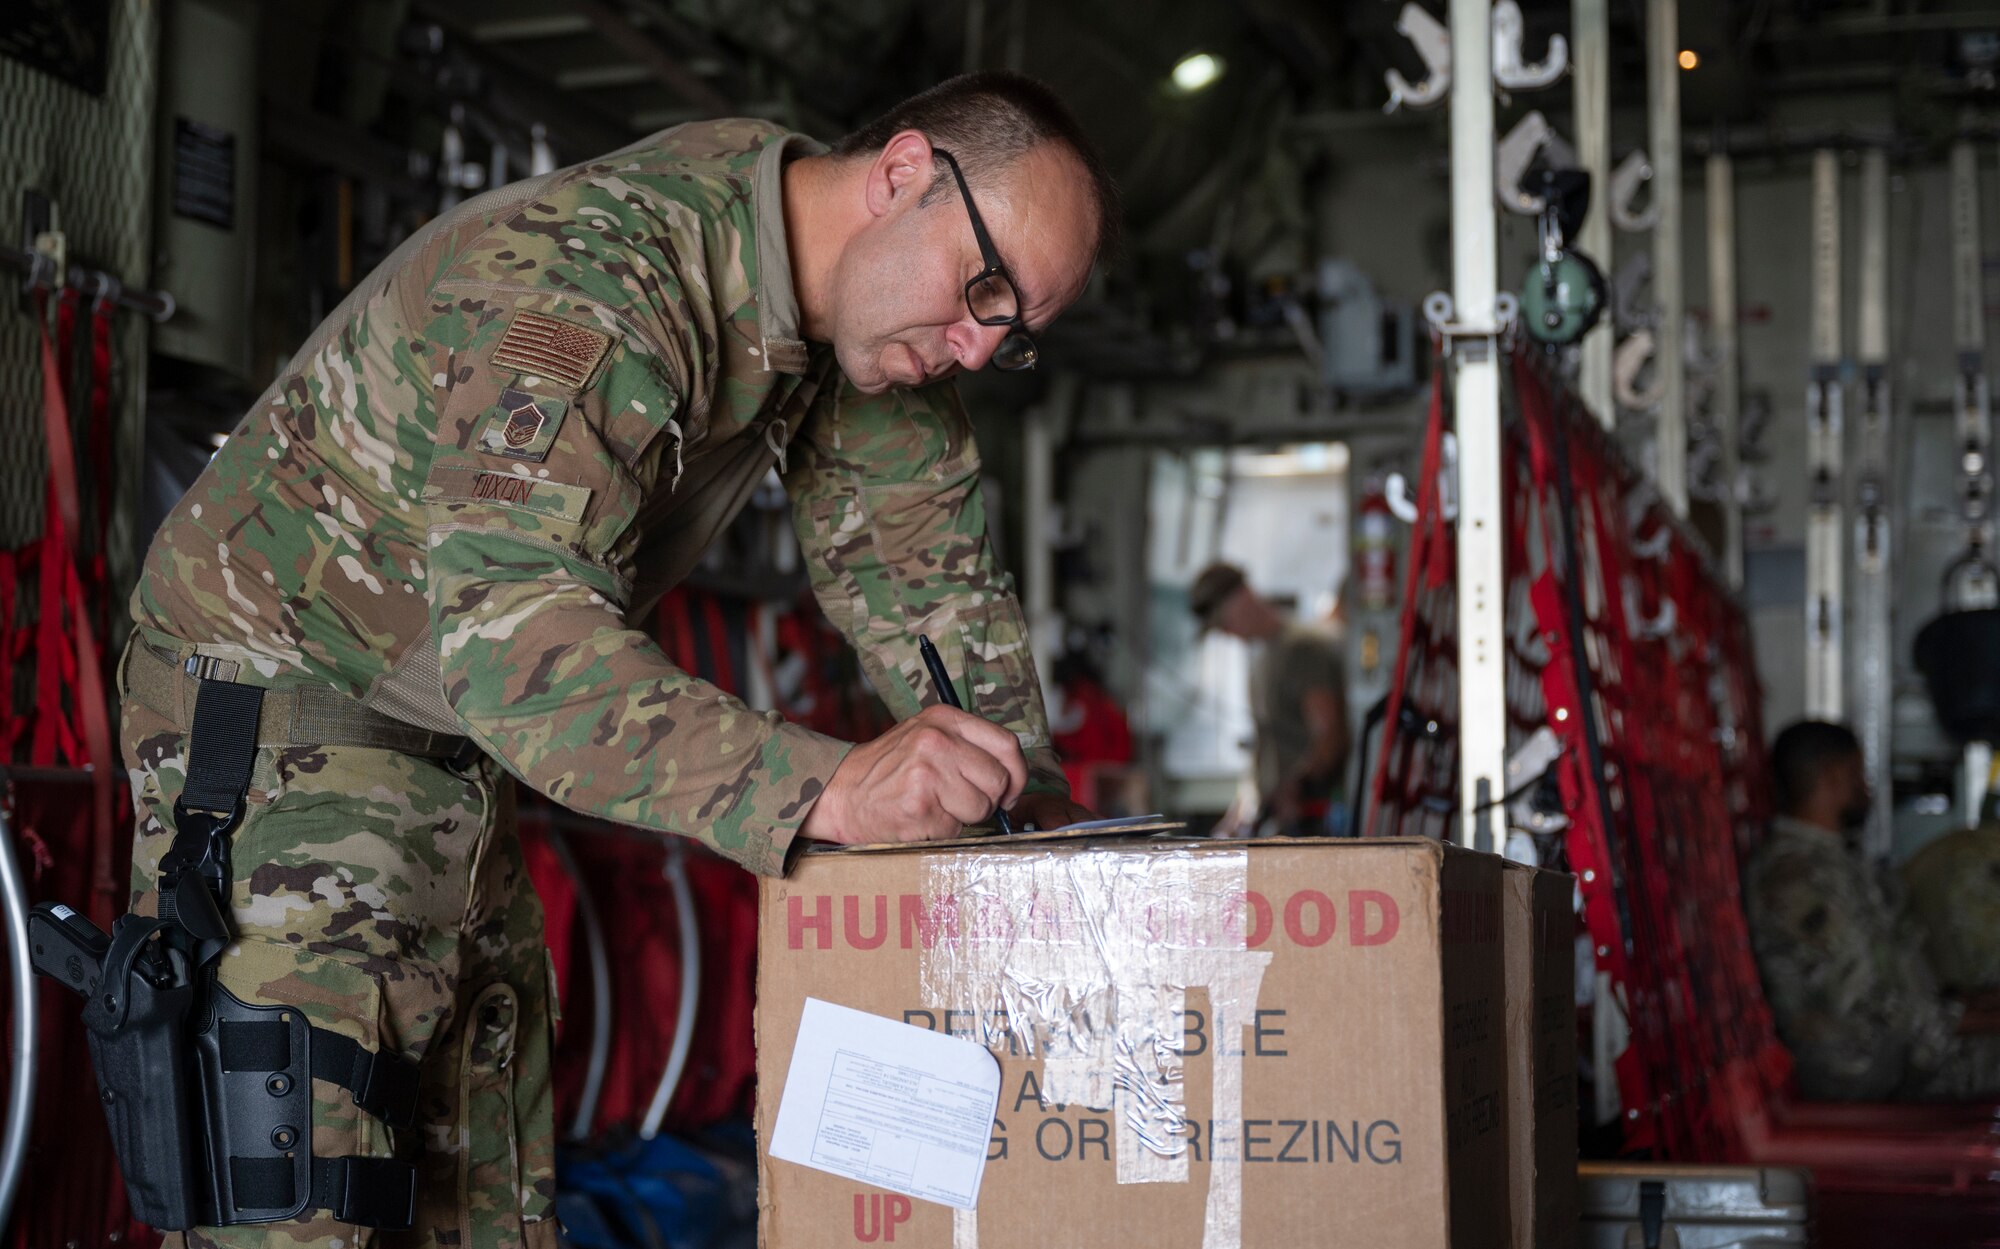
522,425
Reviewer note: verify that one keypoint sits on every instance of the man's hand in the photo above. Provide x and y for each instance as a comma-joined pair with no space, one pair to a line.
927,778
1047,811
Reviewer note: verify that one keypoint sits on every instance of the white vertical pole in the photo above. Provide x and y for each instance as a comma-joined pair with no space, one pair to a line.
1974,402
1590,69
1826,554
1974,587
1728,365
1482,686
1663,113
1873,545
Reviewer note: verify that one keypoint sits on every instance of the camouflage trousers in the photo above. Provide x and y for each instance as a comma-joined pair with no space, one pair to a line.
385,896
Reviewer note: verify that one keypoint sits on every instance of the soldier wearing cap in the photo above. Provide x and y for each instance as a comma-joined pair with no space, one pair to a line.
437,538
1298,699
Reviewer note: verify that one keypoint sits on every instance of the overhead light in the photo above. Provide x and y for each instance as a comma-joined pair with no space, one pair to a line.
1688,59
1196,71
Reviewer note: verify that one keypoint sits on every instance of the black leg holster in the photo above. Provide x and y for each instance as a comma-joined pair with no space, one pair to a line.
209,1098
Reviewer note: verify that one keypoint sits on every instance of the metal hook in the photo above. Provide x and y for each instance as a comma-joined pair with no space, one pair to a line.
1627,363
1632,172
1630,282
1658,626
1641,500
1704,458
1433,43
1970,581
1438,310
1754,492
1448,478
1514,154
1396,490
107,294
1654,547
1509,70
1403,505
1638,505
1528,809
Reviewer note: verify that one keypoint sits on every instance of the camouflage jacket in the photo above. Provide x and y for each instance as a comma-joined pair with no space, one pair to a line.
1850,993
459,500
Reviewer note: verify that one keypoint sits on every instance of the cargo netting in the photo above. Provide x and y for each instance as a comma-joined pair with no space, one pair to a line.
1624,643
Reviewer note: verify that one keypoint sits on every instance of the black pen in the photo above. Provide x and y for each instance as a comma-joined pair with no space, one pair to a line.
948,695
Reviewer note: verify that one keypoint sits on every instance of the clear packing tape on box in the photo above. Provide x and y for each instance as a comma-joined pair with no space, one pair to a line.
1083,959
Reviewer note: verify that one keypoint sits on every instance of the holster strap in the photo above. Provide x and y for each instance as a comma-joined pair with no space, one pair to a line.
383,1084
371,1192
303,715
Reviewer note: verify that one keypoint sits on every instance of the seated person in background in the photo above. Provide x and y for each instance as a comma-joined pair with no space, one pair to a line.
1851,995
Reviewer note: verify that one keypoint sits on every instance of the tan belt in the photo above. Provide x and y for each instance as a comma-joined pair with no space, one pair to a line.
304,715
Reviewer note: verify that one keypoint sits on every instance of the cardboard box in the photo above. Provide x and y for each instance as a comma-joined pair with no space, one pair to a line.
1539,938
1202,1044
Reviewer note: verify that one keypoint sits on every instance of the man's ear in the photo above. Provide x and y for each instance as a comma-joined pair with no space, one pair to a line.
901,172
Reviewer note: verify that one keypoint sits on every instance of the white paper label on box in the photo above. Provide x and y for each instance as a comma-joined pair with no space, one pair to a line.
899,1107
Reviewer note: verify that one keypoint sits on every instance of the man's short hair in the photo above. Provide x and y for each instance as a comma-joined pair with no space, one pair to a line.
1213,586
987,121
1803,753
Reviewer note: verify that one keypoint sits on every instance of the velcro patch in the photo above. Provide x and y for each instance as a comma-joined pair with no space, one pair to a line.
544,346
554,499
522,425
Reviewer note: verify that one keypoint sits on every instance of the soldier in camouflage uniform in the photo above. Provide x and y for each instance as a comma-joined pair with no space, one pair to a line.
1852,997
454,509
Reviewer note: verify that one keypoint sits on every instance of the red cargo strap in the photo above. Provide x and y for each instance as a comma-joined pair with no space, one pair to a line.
62,594
1417,576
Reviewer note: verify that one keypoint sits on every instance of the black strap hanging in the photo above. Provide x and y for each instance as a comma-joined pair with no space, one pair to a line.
194,875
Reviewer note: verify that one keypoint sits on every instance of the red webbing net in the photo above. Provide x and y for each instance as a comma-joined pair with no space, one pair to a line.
73,842
1662,782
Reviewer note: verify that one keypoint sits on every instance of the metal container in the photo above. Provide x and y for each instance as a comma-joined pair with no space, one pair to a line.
1668,1206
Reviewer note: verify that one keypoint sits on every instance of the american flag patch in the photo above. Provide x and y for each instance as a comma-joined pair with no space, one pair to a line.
543,346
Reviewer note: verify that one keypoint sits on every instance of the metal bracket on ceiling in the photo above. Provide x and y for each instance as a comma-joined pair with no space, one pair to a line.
1440,311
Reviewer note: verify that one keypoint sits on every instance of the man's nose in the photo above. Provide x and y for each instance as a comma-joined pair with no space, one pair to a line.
973,344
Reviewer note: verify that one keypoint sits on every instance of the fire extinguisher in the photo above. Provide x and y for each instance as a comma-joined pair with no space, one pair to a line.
1375,550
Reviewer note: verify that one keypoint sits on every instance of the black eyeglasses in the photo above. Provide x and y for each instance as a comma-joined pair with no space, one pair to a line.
991,295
